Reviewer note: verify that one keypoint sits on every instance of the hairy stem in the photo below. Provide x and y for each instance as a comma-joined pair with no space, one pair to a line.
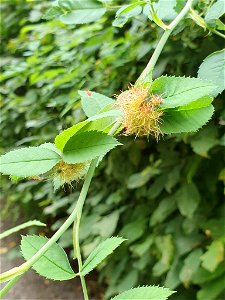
148,69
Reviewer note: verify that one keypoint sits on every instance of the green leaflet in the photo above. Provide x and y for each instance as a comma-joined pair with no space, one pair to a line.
212,289
145,293
21,226
199,103
188,199
166,207
180,91
54,264
177,121
75,11
92,103
213,14
83,16
139,179
88,145
29,161
99,122
213,69
205,140
51,146
125,12
62,138
100,253
191,265
213,256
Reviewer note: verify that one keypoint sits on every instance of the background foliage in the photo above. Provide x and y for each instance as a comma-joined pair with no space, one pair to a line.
166,197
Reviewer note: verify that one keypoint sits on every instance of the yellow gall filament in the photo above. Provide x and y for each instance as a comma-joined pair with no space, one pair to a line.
142,116
68,173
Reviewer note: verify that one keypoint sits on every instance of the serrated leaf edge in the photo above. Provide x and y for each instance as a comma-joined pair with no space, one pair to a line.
34,236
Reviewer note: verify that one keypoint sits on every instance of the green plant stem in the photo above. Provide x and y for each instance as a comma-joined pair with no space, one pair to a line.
9,285
16,273
216,32
27,265
148,70
78,252
76,227
201,22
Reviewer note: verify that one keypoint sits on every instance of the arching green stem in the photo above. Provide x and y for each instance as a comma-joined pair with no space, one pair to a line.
151,64
77,228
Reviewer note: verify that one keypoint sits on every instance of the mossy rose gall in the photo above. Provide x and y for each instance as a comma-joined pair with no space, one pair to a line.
141,114
67,173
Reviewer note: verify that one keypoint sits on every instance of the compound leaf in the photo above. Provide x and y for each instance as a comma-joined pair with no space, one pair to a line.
145,293
54,264
88,145
29,161
100,253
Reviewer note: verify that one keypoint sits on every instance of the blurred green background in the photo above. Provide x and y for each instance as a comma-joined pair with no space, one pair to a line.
166,198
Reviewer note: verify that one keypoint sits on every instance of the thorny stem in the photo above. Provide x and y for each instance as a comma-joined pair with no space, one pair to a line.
148,70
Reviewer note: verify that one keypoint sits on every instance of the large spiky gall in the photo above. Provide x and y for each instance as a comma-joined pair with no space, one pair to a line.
142,116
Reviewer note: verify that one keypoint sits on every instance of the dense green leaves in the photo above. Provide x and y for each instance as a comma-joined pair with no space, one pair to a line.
213,69
104,249
54,264
145,293
88,145
30,161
